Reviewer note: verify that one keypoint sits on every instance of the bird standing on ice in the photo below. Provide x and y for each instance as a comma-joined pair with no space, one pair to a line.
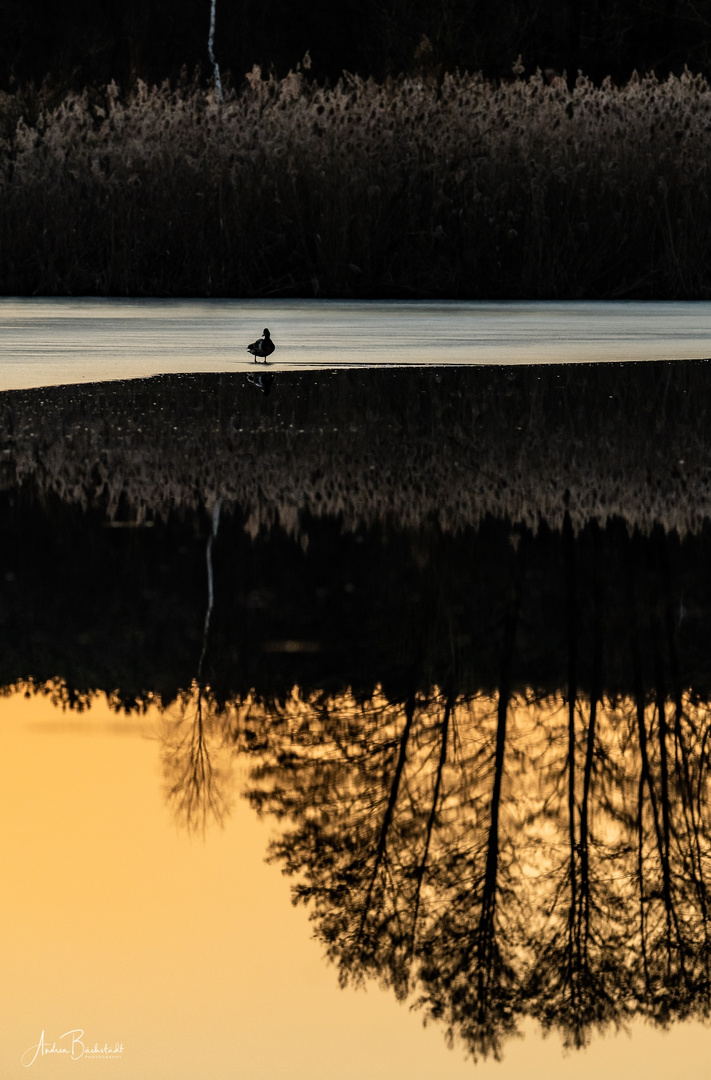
264,347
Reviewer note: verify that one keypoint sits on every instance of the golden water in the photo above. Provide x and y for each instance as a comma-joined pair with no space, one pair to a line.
182,954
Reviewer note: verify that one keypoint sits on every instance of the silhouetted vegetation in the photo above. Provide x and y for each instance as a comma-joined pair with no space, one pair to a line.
451,187
520,851
83,43
449,847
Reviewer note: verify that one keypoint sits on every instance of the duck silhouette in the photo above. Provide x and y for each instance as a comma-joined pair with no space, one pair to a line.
264,347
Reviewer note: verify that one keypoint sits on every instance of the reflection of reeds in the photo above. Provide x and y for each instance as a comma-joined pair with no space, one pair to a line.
406,188
381,448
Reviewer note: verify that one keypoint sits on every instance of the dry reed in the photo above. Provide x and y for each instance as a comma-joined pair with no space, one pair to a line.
408,188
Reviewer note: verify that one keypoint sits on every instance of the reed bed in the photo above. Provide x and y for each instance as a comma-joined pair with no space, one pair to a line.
457,188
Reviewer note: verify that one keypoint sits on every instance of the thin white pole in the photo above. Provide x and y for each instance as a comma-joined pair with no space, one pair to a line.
211,50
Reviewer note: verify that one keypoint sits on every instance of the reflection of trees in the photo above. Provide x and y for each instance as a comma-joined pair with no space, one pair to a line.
400,844
512,853
197,773
361,872
432,843
506,814
196,764
468,968
575,983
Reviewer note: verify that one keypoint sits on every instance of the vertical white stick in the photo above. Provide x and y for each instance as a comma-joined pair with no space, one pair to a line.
211,50
210,589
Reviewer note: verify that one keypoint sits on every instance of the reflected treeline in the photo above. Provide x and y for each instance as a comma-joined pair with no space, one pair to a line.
519,849
492,779
118,607
501,857
123,609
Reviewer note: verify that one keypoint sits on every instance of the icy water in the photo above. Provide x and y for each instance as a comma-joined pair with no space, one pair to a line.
349,699
48,342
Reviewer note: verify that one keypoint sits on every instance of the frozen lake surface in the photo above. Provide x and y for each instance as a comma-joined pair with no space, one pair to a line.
46,342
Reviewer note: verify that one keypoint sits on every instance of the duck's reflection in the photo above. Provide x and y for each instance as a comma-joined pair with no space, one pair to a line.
263,382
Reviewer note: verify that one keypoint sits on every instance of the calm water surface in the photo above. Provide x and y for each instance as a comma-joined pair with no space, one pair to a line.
351,700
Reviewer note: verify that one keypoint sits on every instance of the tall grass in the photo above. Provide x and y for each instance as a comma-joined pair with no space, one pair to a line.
409,188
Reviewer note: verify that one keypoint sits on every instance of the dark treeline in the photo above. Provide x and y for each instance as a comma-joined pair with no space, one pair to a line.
79,43
360,150
106,607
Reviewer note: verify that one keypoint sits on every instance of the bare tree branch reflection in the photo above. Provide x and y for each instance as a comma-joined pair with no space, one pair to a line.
197,764
196,761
